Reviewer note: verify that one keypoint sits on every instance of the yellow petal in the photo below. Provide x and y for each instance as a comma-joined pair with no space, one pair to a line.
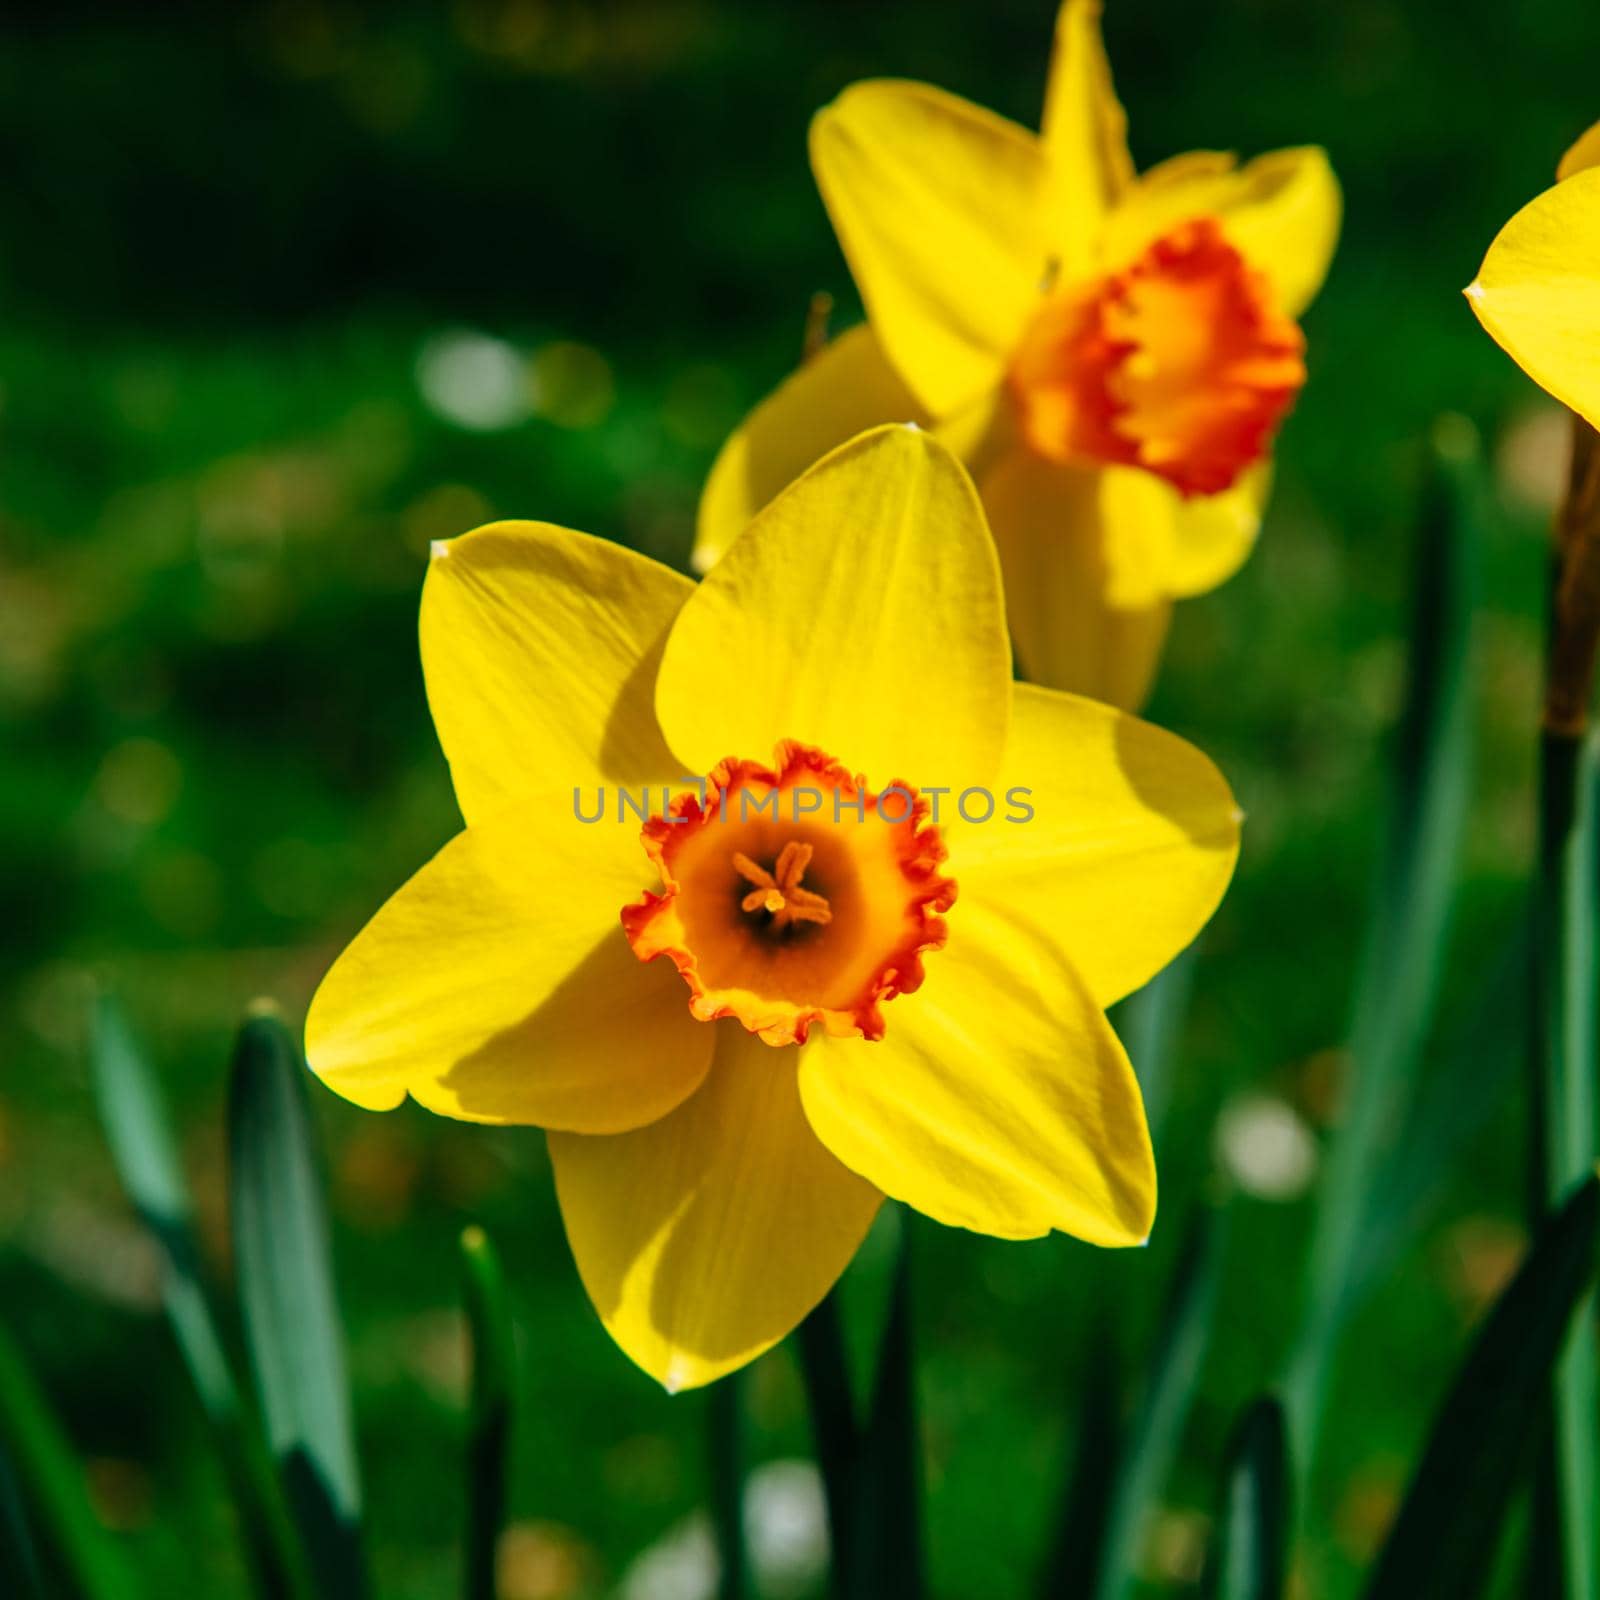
1059,550
1280,211
498,986
1131,844
940,209
861,612
847,387
539,646
999,1099
1538,292
1212,535
1085,133
704,1239
1585,153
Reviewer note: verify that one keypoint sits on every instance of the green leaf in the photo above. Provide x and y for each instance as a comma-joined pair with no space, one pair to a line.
725,1428
1443,1542
492,1405
18,1558
146,1158
51,1488
1462,1094
825,1370
886,1549
1397,984
1078,1545
1149,1023
1565,1131
286,1297
1250,1558
1156,1430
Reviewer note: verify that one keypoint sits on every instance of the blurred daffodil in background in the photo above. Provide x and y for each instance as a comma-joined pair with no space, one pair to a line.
1111,353
864,992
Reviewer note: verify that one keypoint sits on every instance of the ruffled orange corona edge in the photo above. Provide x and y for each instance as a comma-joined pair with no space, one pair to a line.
878,869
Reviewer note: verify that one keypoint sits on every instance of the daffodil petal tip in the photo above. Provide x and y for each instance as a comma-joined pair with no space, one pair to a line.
1474,290
438,549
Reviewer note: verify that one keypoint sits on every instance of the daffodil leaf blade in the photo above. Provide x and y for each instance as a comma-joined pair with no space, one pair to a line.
283,1259
1155,1431
1250,1556
1443,1541
886,1552
52,1502
491,1407
145,1153
18,1556
1398,980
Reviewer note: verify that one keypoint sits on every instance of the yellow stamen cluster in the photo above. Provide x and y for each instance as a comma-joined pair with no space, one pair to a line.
778,892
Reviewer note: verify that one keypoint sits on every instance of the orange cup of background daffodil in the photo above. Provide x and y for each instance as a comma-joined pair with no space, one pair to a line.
1538,290
745,1021
1109,353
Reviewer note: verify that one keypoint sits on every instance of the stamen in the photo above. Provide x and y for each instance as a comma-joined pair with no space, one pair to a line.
778,892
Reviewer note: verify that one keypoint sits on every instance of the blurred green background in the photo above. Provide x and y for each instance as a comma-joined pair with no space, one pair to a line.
288,292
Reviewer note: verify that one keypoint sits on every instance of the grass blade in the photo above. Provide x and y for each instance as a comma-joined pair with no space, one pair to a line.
1250,1559
1398,981
51,1487
491,1408
286,1297
1443,1541
887,1549
1156,1430
146,1159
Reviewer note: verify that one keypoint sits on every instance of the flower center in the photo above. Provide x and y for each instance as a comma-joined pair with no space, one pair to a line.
1180,364
794,896
777,894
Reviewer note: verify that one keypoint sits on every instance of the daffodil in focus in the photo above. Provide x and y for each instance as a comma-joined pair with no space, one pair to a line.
1538,290
866,949
1111,353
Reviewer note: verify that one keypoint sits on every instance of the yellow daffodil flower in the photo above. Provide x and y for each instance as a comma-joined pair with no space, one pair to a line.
1538,290
1110,353
830,971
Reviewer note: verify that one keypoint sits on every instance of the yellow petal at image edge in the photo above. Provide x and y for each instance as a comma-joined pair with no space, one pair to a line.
941,210
999,1099
497,985
539,648
1538,292
705,1238
1131,845
1281,211
860,612
1060,545
1583,154
847,387
1085,134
